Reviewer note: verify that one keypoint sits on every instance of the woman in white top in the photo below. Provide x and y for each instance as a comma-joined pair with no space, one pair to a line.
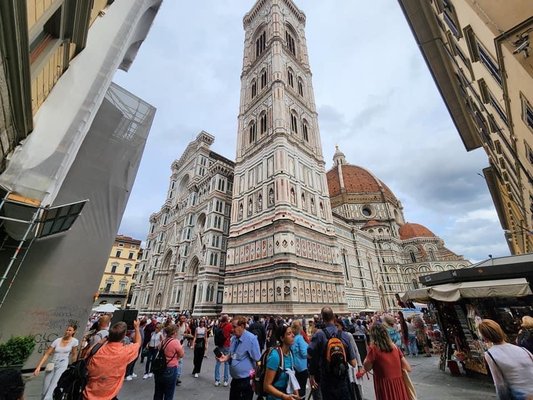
153,346
63,349
199,344
511,366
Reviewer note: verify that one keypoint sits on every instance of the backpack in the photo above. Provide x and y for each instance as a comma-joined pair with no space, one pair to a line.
260,371
335,357
72,382
220,338
159,363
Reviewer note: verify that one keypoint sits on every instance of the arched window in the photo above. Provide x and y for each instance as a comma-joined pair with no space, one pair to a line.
263,79
294,122
291,44
260,44
254,88
263,123
412,255
300,87
290,77
305,128
252,132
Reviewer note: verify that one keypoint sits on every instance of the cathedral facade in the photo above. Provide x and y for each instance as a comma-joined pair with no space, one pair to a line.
184,260
273,233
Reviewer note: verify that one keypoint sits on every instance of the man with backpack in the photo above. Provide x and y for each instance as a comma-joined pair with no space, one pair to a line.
258,329
222,337
329,354
107,367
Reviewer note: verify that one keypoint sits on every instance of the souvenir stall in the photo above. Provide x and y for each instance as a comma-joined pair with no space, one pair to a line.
460,306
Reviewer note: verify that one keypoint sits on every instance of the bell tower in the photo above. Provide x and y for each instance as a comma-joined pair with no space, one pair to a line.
282,256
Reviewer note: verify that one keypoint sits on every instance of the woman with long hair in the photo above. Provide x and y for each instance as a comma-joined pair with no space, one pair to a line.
525,335
511,366
64,350
278,389
165,382
387,361
153,344
199,344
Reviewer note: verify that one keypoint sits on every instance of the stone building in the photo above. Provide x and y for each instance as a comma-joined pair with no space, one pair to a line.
118,278
479,54
185,256
381,254
282,253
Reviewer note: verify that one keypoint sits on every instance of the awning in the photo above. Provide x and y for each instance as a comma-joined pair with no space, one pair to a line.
451,292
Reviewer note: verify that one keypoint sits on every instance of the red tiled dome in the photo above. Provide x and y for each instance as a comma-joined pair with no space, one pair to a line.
357,180
409,231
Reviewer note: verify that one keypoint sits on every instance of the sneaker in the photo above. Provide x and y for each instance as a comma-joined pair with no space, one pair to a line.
217,383
146,376
196,375
150,375
225,383
178,382
129,378
134,375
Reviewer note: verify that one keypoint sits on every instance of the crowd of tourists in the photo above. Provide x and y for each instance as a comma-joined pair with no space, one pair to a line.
324,357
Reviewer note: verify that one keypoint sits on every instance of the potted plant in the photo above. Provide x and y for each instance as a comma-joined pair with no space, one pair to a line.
16,351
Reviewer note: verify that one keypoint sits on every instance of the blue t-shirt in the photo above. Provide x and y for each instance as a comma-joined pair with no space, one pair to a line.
273,364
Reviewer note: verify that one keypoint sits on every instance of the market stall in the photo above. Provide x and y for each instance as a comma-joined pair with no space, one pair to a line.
460,306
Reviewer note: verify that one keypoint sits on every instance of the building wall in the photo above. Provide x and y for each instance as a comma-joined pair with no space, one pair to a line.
118,277
486,79
183,265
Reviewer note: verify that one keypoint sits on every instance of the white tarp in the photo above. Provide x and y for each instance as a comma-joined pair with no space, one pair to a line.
451,292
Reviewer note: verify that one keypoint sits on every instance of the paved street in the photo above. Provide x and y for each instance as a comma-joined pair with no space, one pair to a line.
430,383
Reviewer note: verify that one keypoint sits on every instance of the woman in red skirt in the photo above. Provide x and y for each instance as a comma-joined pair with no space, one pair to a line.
387,361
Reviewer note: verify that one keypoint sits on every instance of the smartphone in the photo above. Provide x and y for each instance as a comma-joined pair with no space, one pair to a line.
217,352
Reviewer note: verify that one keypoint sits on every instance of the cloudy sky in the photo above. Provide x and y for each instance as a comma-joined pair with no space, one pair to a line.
374,95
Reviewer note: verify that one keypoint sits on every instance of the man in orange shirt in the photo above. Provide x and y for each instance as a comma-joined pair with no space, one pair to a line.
108,365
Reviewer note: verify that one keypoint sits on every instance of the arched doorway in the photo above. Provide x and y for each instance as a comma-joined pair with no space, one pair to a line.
191,280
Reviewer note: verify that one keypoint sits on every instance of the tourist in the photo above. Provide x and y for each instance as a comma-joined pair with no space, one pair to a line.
11,385
64,351
153,344
299,352
511,366
387,361
525,335
223,346
165,381
199,345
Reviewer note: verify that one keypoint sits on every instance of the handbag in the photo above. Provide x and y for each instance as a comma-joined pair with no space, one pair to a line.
49,367
410,388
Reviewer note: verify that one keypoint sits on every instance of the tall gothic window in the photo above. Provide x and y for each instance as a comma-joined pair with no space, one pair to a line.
305,128
260,44
252,132
290,77
300,87
263,123
294,122
291,44
263,79
254,88
413,256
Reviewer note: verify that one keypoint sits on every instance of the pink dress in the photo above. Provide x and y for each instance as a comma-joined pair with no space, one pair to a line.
387,367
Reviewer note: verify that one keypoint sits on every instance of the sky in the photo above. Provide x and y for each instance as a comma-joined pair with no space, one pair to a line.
375,99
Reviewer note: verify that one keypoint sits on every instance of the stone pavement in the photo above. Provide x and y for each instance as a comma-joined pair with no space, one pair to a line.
430,383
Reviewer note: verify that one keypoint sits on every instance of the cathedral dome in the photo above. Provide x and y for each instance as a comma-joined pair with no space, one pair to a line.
410,231
357,180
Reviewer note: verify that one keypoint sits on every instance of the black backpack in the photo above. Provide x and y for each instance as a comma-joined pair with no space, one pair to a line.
260,371
220,339
72,382
159,363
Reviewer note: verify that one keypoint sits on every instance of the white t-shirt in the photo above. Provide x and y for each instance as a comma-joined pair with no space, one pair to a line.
516,365
63,352
155,339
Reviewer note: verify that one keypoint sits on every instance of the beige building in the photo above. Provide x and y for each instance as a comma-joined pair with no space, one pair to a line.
119,275
480,57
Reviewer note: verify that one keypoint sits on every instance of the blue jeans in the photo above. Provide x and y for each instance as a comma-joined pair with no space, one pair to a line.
165,384
224,350
413,346
180,366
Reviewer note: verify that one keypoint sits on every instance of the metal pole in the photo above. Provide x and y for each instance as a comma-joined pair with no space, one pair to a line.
15,255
